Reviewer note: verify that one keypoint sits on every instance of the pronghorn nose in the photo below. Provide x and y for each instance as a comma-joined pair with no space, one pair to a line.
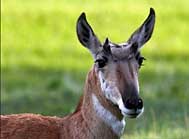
136,103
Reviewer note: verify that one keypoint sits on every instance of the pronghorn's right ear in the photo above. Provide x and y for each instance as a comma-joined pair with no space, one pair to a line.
86,35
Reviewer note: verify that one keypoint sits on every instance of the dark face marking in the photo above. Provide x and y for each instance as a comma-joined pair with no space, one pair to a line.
127,74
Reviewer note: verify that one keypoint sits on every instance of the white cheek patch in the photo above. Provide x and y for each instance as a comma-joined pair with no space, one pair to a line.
109,89
116,125
136,82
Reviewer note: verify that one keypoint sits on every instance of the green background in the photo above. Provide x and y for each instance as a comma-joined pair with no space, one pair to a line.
43,65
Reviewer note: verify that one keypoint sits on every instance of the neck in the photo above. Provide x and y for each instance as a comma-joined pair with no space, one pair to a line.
102,117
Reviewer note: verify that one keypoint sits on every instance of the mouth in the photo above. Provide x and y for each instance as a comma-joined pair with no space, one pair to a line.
131,113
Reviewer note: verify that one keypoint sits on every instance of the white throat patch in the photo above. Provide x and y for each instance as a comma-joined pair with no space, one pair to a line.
112,121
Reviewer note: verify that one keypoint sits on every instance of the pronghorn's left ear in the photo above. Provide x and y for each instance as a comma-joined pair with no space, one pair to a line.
144,32
86,35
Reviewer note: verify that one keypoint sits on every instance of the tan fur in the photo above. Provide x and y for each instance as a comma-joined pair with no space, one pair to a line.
82,124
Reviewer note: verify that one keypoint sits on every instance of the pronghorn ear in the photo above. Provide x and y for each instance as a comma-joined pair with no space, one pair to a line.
144,32
86,35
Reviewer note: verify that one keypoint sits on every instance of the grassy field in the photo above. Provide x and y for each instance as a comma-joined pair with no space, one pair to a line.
43,66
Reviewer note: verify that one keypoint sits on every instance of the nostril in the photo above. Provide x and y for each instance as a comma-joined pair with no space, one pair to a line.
129,104
134,103
140,103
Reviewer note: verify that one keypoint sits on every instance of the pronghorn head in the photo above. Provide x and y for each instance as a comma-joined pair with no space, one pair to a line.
117,65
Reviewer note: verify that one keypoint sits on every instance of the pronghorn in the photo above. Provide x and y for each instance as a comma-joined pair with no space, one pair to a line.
111,92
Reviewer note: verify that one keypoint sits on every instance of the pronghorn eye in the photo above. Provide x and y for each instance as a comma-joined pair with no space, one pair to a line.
101,62
140,61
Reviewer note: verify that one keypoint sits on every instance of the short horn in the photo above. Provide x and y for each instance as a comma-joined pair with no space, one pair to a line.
106,46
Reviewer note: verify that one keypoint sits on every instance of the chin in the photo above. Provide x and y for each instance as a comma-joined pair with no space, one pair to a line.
132,116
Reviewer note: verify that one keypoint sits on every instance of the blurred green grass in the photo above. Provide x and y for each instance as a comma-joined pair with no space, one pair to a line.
43,66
